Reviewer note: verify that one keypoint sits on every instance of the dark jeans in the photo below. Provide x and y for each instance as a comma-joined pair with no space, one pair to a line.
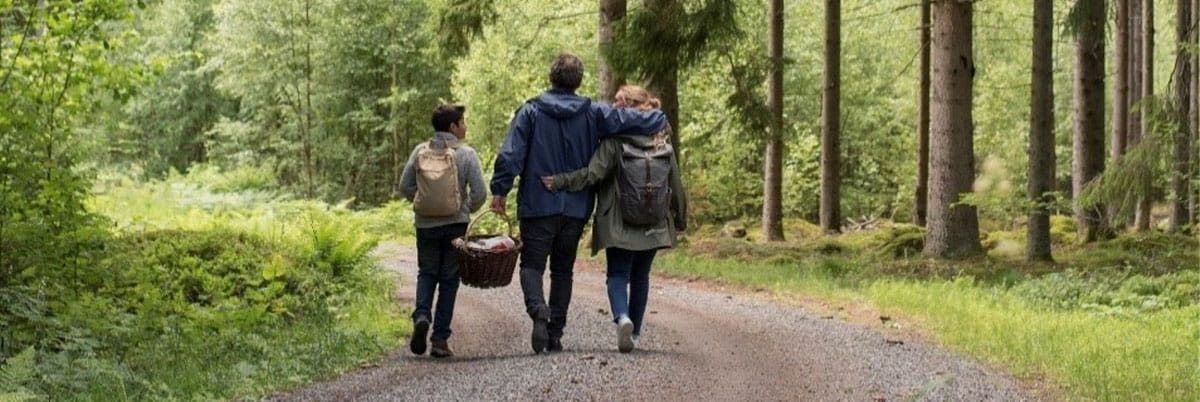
629,283
437,269
556,237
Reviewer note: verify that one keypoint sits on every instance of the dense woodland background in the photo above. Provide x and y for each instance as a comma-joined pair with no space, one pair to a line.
137,138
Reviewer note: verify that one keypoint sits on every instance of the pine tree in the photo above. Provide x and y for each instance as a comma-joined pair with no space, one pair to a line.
953,226
831,114
1041,132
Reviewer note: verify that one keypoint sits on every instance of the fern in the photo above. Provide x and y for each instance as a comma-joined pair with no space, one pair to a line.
14,374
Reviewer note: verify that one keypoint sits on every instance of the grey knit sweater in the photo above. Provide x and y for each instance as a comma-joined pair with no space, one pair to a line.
469,175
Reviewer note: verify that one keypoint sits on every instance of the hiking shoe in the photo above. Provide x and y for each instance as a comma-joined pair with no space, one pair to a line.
540,336
440,349
555,345
420,330
625,335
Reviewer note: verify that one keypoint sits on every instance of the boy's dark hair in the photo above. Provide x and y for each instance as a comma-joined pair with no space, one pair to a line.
566,72
445,115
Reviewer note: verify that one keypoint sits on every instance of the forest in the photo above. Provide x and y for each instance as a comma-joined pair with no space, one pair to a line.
179,177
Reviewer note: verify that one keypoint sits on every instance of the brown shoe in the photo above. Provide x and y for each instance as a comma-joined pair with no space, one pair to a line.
440,349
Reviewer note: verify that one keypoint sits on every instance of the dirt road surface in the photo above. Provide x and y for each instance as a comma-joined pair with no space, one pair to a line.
698,344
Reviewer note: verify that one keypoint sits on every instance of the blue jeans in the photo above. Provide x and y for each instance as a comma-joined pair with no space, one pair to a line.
629,283
437,270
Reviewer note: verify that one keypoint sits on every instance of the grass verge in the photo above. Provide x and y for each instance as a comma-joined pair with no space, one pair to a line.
1136,339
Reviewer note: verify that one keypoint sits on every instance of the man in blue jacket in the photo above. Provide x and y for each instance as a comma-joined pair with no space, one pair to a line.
554,133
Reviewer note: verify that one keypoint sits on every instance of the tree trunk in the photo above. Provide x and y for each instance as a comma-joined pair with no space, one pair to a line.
921,198
1134,72
1183,78
308,160
1142,217
1041,132
1120,115
611,11
1194,195
953,227
1089,114
772,220
831,115
398,153
1122,65
666,86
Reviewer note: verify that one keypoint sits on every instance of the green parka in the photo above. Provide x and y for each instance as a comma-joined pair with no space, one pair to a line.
609,229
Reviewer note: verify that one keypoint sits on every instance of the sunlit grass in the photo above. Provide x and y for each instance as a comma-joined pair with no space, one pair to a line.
1147,356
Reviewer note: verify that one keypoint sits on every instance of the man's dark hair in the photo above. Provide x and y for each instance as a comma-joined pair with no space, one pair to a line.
566,72
445,115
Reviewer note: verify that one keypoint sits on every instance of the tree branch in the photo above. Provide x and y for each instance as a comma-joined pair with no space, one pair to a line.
20,50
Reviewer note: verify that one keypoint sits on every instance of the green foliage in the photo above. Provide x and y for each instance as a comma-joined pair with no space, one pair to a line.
16,373
901,240
1137,173
1151,253
1112,293
459,21
164,121
204,294
663,36
52,59
241,179
329,95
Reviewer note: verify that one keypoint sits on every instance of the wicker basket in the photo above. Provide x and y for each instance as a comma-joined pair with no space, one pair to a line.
487,268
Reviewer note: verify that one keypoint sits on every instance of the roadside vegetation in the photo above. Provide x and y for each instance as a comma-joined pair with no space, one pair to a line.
1114,320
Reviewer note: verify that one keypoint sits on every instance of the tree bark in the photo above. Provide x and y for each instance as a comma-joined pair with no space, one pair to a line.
611,11
953,227
1120,115
666,87
1088,145
921,198
1134,72
308,70
1194,194
1142,216
1122,67
772,220
1183,78
831,114
1041,133
667,90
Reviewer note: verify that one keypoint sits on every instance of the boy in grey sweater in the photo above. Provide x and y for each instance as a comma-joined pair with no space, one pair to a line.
437,263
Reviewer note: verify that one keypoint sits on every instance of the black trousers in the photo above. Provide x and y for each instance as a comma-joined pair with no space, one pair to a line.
556,238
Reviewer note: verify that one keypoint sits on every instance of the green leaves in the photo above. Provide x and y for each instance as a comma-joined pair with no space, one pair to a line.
276,269
16,373
669,34
460,21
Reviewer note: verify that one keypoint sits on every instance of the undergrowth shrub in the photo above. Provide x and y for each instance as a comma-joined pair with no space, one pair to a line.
197,294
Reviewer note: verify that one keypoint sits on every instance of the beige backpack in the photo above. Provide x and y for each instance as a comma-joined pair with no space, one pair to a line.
437,183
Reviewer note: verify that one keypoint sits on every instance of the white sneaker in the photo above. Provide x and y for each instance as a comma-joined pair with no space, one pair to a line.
625,335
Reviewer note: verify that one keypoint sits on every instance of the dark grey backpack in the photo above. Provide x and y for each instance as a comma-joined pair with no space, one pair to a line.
643,184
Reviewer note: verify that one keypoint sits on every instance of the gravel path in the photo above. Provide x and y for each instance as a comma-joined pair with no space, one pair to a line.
698,345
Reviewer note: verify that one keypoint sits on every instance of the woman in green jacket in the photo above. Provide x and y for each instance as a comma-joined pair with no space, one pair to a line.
630,249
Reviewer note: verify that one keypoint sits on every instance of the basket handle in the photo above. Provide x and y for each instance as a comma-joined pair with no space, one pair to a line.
507,220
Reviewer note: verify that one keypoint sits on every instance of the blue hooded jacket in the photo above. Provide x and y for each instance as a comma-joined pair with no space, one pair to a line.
558,132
